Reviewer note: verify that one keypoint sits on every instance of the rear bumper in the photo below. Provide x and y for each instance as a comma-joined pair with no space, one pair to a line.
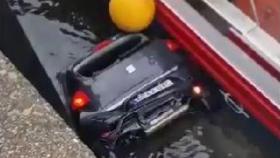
147,119
166,118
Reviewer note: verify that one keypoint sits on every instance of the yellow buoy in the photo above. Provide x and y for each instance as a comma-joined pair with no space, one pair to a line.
132,15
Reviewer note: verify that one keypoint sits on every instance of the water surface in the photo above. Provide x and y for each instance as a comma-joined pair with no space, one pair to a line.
61,32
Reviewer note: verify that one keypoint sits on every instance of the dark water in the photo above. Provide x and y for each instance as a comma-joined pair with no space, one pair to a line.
60,32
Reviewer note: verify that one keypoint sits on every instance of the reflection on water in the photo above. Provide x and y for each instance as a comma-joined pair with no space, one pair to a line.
223,134
182,139
61,32
69,11
187,146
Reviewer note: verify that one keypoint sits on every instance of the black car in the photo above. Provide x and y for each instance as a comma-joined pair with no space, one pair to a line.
130,85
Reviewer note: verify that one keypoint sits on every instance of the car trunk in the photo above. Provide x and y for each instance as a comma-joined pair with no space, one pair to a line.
126,76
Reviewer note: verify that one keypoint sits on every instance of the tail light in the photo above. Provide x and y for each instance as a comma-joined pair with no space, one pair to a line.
172,45
102,45
197,90
80,100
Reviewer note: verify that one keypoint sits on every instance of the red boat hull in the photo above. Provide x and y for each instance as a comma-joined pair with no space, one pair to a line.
241,89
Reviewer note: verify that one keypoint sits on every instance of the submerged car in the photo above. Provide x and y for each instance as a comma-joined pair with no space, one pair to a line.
129,85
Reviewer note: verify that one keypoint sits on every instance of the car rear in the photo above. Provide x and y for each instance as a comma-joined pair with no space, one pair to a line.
142,90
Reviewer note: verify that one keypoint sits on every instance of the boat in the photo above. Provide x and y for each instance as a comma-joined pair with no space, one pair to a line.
245,60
